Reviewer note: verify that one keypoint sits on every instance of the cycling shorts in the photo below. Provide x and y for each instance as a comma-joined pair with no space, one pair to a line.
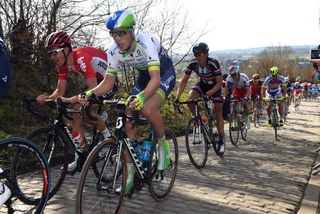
276,94
167,83
239,93
202,89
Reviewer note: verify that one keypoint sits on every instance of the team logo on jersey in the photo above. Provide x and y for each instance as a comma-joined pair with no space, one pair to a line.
5,79
81,64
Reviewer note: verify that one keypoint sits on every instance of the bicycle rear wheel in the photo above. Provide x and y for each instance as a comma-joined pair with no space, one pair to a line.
53,145
196,143
27,174
98,194
162,180
234,129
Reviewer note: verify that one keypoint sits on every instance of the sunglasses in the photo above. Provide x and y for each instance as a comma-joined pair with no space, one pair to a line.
256,78
197,54
118,33
54,52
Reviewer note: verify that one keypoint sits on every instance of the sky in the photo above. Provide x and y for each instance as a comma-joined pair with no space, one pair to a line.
241,24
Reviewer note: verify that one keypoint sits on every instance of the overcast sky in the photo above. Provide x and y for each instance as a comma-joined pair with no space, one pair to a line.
234,24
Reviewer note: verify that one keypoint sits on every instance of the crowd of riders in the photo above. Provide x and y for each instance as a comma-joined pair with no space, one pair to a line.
156,79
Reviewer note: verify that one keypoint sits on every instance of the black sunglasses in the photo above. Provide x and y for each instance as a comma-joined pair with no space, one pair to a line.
197,54
118,33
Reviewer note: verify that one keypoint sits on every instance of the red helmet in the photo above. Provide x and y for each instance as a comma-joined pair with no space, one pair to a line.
59,39
234,69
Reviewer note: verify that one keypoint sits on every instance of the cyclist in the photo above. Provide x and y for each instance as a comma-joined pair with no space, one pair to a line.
255,90
297,91
5,75
274,86
239,85
155,80
88,61
289,91
210,85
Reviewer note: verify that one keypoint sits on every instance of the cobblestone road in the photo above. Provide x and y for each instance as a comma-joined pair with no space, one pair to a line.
259,176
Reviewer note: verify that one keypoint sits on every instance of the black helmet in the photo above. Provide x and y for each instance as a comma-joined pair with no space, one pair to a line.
200,48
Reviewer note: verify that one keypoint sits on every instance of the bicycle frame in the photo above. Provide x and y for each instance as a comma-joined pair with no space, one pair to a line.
197,116
122,119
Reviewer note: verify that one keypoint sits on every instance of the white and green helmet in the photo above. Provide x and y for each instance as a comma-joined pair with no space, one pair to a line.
122,19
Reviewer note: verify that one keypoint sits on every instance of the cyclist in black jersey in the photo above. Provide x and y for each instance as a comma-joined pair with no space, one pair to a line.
5,70
210,84
5,81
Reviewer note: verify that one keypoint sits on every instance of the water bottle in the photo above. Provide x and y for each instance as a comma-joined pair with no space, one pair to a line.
137,148
146,147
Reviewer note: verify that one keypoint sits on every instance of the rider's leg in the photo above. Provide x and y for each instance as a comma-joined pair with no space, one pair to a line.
220,124
193,94
151,111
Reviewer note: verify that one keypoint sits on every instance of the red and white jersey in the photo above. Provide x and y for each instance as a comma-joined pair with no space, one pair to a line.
91,62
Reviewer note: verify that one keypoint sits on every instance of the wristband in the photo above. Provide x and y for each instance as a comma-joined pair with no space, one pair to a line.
90,93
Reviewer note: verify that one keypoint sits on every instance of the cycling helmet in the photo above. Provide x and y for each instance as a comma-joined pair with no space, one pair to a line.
59,39
234,69
286,79
256,76
123,19
274,70
296,83
200,48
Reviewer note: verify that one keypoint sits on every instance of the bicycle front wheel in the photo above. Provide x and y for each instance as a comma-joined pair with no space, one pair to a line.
234,129
53,145
275,123
162,180
196,143
103,193
27,174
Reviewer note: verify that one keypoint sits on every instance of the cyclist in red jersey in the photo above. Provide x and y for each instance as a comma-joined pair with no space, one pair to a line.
255,85
88,61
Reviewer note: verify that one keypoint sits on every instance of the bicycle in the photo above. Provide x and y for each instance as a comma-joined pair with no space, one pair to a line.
257,111
274,115
25,171
236,123
56,139
199,133
296,101
98,194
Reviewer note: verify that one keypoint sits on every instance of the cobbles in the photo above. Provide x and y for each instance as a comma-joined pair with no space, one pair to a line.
261,175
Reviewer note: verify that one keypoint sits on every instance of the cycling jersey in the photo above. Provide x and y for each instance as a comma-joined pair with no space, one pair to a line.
255,89
148,55
207,76
297,89
5,70
91,62
239,87
273,86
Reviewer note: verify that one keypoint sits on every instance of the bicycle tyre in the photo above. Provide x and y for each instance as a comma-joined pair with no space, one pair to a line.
275,124
161,182
102,196
244,132
27,177
99,138
234,132
58,158
255,116
197,150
